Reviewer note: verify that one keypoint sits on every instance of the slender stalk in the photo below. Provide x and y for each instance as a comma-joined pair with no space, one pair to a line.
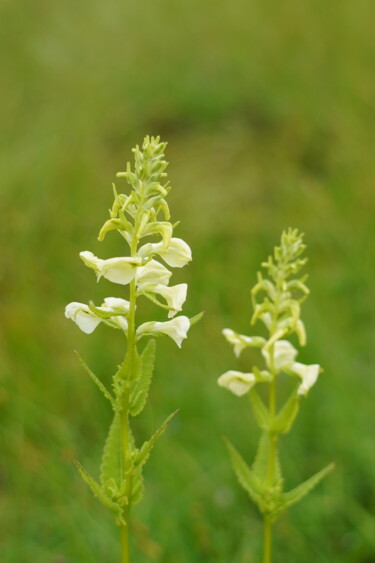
267,540
125,431
267,550
124,531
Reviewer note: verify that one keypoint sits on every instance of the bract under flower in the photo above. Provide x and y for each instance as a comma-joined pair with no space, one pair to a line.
237,382
176,329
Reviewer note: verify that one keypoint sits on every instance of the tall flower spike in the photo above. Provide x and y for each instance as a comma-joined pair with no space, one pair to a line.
277,298
141,217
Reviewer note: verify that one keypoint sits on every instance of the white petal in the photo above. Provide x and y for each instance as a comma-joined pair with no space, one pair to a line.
152,273
176,328
237,382
308,374
284,355
82,316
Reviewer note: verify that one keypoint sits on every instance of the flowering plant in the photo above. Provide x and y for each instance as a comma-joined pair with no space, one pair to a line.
142,214
279,311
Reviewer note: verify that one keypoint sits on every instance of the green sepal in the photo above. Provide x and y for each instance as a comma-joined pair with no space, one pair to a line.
140,387
286,416
259,410
144,452
245,476
99,492
97,381
295,495
111,468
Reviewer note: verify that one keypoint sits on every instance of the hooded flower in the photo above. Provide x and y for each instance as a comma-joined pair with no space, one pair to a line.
152,273
120,270
284,354
176,329
88,320
175,296
240,341
237,382
82,316
177,254
308,374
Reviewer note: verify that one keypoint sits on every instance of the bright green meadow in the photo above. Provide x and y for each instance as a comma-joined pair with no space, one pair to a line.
268,109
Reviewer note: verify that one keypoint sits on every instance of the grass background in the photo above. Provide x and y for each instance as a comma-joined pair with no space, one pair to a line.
268,109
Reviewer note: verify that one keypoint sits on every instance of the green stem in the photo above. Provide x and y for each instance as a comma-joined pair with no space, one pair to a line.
125,430
267,540
124,531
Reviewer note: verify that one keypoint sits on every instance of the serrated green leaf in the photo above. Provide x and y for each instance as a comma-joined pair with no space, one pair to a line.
97,381
286,416
140,389
260,466
111,469
98,491
246,477
295,495
259,410
145,450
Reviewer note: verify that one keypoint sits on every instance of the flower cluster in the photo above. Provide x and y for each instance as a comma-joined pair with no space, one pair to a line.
137,216
280,313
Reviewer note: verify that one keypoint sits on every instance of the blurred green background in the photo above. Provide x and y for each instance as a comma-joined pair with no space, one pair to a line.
268,108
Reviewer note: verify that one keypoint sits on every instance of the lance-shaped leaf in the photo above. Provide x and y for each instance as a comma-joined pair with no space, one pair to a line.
98,492
144,452
259,410
140,388
97,381
246,477
111,469
286,416
295,495
261,467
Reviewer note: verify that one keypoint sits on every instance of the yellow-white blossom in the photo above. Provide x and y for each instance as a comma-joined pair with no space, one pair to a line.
82,316
176,329
88,319
308,374
119,270
177,254
152,273
240,341
175,296
284,355
237,382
